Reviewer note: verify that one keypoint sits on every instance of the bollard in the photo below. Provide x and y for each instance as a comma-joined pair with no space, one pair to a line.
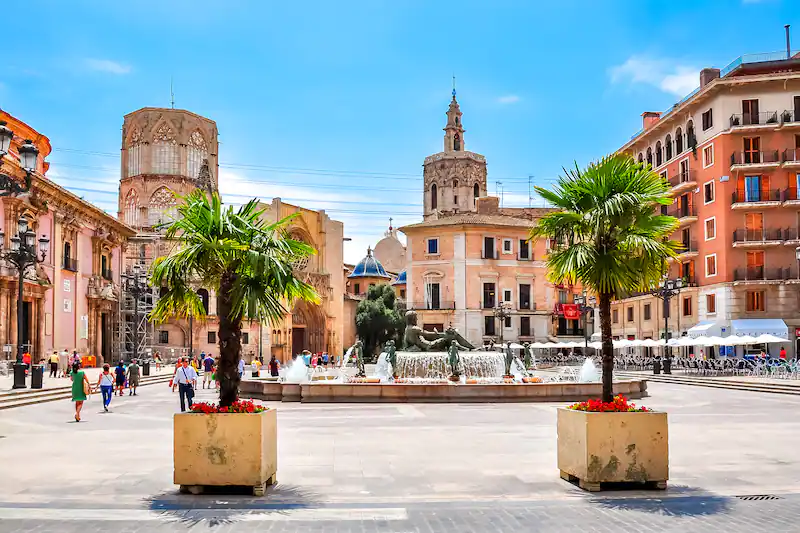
146,368
37,376
656,366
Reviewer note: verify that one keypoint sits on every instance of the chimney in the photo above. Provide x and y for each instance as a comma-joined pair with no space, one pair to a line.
487,205
707,75
649,118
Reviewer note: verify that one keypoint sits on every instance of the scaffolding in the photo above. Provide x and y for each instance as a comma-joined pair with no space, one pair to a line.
135,332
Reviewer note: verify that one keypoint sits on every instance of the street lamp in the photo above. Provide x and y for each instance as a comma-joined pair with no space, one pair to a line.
581,301
667,289
28,156
22,255
502,311
135,283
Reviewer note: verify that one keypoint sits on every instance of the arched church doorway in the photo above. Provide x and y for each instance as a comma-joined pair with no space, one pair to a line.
308,328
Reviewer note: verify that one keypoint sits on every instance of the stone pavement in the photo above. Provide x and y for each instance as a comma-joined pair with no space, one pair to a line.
422,467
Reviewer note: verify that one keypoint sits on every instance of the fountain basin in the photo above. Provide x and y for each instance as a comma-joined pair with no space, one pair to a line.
435,365
317,392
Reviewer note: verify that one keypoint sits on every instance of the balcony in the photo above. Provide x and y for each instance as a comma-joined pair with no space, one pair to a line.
440,305
683,181
755,160
759,274
686,214
790,118
569,332
70,264
687,250
746,237
791,236
791,157
107,274
743,199
754,121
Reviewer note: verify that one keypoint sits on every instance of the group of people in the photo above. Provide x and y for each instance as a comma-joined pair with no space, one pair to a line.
108,383
318,362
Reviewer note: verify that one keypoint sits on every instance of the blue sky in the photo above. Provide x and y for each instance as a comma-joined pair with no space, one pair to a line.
338,103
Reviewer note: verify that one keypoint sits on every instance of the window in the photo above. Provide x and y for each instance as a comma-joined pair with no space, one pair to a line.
433,296
752,149
755,301
488,295
641,158
196,152
687,306
506,295
507,246
245,337
488,325
750,112
69,261
711,265
433,246
691,140
457,142
162,207
754,226
131,214
434,197
678,141
708,156
403,294
135,152
455,192
212,337
708,120
476,191
629,314
524,249
615,316
646,311
356,288
525,326
658,154
753,186
650,156
489,251
203,294
755,265
164,151
711,304
711,228
562,297
163,337
507,322
668,147
709,191
524,296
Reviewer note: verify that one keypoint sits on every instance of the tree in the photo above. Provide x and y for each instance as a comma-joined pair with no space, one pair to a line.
377,318
246,259
608,236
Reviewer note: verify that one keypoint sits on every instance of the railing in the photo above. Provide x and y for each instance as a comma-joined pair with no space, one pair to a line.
790,234
688,246
527,306
757,235
687,176
791,155
755,58
754,119
758,273
683,211
70,264
107,274
789,116
570,332
755,158
689,280
490,254
430,306
759,195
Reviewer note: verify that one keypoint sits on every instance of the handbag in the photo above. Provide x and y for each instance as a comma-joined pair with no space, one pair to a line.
87,389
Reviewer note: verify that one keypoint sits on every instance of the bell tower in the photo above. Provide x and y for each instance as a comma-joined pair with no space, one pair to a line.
454,130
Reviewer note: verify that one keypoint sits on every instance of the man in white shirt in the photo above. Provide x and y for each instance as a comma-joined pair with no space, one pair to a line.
241,368
186,378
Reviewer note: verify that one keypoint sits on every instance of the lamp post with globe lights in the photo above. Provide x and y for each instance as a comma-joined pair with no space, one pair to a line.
28,156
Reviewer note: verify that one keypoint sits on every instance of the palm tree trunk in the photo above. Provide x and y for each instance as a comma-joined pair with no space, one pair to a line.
230,344
608,347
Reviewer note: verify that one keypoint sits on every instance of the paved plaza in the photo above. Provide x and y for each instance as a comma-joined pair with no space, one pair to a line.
422,467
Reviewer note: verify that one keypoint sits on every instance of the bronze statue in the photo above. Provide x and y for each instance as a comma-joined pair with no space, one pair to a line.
391,356
454,360
508,360
528,355
358,350
418,340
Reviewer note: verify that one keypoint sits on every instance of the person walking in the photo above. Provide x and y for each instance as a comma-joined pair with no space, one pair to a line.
157,360
325,360
208,370
106,383
63,363
133,377
54,365
80,388
119,372
186,377
274,366
240,367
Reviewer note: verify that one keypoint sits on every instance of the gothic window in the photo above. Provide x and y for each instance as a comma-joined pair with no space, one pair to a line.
650,156
457,120
641,158
162,207
668,147
135,152
691,140
476,191
678,141
434,199
196,151
203,294
658,154
455,192
165,151
131,208
457,142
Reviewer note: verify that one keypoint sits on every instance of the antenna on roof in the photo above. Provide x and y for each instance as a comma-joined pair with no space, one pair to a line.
530,191
788,43
171,94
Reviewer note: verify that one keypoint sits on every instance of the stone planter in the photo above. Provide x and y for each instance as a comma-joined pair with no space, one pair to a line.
595,448
225,449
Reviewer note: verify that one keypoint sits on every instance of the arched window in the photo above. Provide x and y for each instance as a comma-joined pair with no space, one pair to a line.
457,142
658,154
457,120
165,151
691,140
135,152
131,208
476,192
196,151
650,156
161,209
668,146
203,294
434,197
455,192
678,141
641,158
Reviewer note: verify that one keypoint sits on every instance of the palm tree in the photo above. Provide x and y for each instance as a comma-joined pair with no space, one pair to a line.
245,259
608,236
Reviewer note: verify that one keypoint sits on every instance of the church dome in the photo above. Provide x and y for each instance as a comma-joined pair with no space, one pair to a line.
401,279
369,267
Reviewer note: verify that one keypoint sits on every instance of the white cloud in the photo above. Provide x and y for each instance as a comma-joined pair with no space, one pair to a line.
663,74
107,66
508,99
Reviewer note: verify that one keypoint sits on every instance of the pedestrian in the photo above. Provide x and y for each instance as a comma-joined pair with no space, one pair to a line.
26,359
119,372
782,353
314,360
63,363
173,382
54,365
325,360
256,366
76,358
157,359
133,377
274,365
80,389
215,375
208,370
186,377
240,367
106,383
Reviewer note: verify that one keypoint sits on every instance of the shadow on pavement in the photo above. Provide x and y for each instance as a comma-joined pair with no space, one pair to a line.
678,500
219,506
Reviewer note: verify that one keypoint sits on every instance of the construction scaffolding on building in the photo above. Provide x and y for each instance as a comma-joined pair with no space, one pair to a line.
134,335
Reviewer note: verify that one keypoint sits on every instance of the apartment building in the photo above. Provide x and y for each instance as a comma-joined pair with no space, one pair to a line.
731,153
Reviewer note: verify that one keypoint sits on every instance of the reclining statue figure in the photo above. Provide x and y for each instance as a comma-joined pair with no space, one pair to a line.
418,340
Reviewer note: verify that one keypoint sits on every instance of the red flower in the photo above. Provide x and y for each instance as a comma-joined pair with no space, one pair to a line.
618,405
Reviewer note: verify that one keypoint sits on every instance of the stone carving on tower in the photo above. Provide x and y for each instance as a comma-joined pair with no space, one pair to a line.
455,177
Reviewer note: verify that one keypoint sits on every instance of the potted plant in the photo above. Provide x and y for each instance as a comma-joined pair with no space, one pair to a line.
609,237
616,441
224,446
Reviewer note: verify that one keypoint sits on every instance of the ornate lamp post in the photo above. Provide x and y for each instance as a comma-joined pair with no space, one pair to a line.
501,312
28,155
581,301
135,283
667,289
22,255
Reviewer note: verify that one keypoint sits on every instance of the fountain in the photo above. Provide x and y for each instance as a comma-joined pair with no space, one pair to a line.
588,372
297,372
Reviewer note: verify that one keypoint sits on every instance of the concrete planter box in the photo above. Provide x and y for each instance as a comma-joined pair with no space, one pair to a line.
596,448
225,449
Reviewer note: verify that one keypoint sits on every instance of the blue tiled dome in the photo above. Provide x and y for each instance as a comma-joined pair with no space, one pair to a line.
369,267
401,279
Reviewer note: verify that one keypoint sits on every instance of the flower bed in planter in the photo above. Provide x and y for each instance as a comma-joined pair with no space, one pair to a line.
234,446
612,442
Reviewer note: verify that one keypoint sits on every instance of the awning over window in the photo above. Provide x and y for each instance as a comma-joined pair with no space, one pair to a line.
705,328
760,326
